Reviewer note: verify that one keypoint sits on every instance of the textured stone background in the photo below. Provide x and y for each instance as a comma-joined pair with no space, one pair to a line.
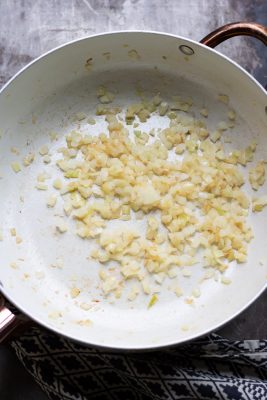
30,27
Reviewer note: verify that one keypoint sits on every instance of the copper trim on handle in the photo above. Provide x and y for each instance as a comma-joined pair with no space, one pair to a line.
235,29
7,320
11,324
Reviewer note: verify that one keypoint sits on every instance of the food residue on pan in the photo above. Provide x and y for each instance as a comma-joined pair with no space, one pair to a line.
191,203
13,231
61,226
107,55
16,166
84,322
55,315
89,63
41,186
43,150
51,201
59,263
189,300
85,306
257,175
185,328
152,301
179,181
75,292
225,281
223,98
39,275
258,203
28,159
53,136
14,150
18,240
133,54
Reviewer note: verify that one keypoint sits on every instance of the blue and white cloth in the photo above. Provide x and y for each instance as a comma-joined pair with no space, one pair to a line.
211,368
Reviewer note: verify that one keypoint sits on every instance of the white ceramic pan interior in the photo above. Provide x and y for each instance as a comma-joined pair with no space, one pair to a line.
43,98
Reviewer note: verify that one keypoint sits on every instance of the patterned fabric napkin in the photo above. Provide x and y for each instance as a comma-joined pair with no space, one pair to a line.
211,368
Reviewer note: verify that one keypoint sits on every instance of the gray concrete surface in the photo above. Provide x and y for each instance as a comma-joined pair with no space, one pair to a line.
30,27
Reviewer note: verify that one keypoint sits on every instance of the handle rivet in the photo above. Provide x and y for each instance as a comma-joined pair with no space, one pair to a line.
188,51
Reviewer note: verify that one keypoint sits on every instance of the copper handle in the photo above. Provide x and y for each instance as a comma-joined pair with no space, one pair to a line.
10,323
235,29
